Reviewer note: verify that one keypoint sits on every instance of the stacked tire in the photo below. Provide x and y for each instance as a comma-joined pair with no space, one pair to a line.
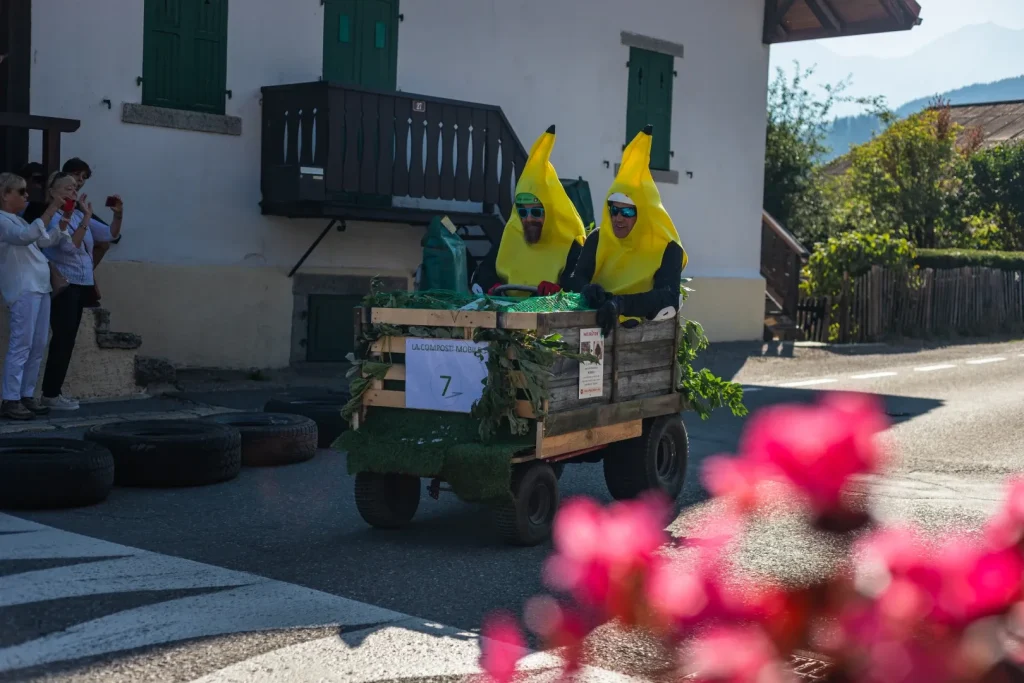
49,473
322,407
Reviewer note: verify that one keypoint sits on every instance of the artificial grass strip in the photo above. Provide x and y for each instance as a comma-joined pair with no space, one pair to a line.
433,444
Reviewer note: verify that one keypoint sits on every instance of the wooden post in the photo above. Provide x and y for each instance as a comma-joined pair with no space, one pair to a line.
844,311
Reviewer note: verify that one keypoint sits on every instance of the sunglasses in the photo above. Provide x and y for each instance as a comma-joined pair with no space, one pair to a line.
626,211
536,212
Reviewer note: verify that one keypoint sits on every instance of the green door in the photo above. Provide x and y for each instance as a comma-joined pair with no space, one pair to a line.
650,101
331,331
361,43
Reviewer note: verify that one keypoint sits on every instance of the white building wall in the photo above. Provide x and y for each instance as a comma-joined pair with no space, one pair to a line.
196,248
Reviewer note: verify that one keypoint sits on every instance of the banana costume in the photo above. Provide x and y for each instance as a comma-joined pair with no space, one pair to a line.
640,272
553,257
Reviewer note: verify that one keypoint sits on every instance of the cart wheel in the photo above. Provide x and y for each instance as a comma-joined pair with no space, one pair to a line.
527,519
387,501
654,461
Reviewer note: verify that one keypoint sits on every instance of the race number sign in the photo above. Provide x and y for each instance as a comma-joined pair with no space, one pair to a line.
444,374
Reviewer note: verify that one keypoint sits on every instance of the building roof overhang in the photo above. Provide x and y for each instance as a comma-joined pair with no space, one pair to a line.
787,21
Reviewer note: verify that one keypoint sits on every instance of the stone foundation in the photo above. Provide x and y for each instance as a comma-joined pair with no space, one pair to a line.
103,365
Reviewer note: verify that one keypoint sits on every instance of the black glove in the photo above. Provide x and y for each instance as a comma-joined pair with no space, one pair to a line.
594,295
608,315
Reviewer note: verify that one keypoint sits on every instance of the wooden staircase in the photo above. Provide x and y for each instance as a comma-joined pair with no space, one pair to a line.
782,258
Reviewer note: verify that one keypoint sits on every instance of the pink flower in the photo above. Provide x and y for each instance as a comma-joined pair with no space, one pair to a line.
818,448
734,479
601,555
736,654
501,647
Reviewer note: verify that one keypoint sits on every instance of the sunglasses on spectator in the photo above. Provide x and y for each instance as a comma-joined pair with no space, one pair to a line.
626,211
536,212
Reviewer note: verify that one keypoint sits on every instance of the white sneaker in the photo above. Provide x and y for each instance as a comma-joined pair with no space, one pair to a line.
60,403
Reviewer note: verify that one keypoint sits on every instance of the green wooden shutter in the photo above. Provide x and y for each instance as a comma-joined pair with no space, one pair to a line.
331,332
378,32
650,101
184,60
341,62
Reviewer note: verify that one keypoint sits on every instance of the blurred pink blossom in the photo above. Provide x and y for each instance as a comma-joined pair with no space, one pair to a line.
736,654
502,646
1006,528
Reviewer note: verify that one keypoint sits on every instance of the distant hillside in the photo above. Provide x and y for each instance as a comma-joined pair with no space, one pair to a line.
854,130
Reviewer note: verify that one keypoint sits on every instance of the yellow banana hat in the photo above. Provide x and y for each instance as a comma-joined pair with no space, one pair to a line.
521,263
627,266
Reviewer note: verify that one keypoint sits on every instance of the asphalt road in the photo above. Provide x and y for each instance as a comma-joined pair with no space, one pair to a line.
956,436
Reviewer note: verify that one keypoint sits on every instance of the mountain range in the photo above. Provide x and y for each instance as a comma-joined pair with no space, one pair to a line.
978,63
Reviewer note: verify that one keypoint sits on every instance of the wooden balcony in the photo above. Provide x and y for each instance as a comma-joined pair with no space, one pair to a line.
21,124
340,152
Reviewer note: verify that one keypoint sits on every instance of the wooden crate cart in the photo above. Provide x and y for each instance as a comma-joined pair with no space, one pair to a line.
624,411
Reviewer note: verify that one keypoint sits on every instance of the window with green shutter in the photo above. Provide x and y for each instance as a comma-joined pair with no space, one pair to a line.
184,56
650,101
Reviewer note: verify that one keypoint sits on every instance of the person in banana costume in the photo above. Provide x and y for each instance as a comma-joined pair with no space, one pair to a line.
631,268
543,238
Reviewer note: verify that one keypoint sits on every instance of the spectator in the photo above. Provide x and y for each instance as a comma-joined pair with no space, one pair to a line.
25,286
35,176
81,171
73,261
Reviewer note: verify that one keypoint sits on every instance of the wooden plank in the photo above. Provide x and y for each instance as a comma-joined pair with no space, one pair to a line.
643,383
386,345
417,131
400,178
368,162
396,373
421,317
432,172
552,446
464,121
353,113
517,321
477,172
490,174
614,413
449,127
382,398
386,139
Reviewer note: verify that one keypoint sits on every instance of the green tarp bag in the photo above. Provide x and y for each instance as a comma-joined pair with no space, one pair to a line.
444,258
579,194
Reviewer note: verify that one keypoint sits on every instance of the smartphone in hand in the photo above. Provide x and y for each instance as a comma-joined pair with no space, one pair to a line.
69,205
111,202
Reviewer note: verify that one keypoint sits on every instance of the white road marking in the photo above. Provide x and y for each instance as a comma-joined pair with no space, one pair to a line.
873,375
393,645
982,361
933,368
750,390
808,382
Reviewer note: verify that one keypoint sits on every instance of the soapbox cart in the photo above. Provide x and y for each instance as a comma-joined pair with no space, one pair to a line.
625,411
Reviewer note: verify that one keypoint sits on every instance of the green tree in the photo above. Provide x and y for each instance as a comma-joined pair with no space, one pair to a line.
994,198
798,124
909,178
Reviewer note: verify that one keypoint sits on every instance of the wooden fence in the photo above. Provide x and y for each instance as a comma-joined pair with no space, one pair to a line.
884,304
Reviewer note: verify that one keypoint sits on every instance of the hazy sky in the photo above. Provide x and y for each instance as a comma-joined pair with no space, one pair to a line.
939,17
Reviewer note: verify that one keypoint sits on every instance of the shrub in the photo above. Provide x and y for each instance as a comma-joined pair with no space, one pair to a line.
959,258
854,253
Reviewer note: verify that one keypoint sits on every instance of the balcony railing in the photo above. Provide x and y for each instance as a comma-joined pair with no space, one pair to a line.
51,127
332,145
782,258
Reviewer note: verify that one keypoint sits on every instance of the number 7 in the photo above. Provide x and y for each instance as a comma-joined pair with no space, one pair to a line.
447,383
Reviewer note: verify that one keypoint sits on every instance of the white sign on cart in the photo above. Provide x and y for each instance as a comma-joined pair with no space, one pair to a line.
444,374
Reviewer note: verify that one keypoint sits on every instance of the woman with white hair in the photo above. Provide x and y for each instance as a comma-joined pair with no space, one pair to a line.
73,261
25,286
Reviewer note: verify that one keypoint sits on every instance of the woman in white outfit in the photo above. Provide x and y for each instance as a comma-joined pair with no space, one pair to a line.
25,286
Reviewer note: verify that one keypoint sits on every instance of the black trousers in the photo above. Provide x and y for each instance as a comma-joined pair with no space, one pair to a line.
65,318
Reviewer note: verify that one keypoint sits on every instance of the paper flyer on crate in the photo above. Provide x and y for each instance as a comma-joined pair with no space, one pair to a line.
592,374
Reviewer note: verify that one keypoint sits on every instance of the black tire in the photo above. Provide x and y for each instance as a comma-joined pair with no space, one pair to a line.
527,519
324,408
47,474
654,461
170,453
387,501
270,439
